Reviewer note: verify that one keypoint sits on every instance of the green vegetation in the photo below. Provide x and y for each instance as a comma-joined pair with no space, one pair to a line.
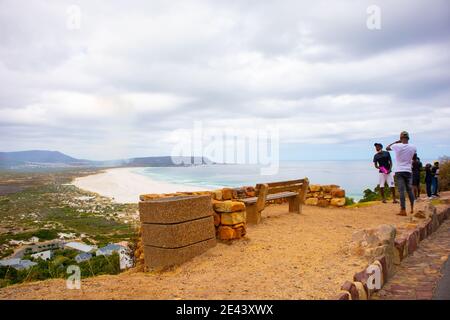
444,174
349,201
46,205
57,268
374,195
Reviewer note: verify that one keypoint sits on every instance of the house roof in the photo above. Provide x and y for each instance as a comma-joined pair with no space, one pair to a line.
111,247
83,255
42,253
24,264
17,263
9,262
80,246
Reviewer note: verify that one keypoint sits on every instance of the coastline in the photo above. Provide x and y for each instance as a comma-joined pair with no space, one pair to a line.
123,185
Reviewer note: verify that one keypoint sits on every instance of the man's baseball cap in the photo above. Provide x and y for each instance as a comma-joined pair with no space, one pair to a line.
378,144
404,134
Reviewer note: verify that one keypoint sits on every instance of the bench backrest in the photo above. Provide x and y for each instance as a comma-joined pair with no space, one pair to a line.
281,186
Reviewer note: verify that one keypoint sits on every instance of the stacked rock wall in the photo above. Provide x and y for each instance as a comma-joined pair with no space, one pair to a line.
386,247
325,195
229,219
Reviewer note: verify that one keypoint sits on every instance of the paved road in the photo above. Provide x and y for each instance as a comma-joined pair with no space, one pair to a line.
420,273
442,291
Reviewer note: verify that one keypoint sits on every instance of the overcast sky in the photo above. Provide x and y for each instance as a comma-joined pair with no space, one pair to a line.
131,72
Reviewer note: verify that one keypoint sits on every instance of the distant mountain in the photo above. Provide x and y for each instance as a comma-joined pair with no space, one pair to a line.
56,159
38,156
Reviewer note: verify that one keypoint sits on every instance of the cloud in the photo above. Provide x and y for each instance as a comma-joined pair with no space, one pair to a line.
134,73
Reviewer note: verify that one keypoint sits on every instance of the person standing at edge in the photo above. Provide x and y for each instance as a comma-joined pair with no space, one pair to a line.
435,179
416,168
428,179
404,153
383,162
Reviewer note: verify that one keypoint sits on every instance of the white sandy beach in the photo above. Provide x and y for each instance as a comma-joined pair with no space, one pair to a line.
124,186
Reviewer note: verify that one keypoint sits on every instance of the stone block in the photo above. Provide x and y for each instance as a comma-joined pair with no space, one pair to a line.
362,293
156,257
227,194
175,209
312,201
229,206
400,250
178,234
422,232
361,277
315,188
240,193
412,242
386,233
239,231
384,267
225,233
338,193
232,218
337,202
351,288
150,196
344,295
217,195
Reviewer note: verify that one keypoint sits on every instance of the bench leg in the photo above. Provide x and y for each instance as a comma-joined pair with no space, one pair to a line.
295,204
253,216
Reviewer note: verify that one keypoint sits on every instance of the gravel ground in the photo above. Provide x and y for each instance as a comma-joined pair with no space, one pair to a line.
287,256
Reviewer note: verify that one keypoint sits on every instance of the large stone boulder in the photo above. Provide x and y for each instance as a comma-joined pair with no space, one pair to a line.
376,244
315,188
229,206
338,193
312,201
232,218
337,202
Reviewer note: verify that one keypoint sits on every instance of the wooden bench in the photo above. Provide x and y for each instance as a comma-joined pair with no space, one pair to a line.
293,190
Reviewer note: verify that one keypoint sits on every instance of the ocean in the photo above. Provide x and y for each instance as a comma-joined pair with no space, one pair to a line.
352,175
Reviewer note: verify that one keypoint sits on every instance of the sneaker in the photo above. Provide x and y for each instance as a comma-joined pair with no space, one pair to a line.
384,201
395,201
402,213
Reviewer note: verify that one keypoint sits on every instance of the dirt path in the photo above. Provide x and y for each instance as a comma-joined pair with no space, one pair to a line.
287,256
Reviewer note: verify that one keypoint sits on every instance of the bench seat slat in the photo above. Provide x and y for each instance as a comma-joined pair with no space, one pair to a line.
286,194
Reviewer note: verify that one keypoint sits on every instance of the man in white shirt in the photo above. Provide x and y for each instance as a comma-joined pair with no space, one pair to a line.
404,153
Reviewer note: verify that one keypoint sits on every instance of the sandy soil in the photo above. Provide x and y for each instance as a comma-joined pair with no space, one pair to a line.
125,186
287,256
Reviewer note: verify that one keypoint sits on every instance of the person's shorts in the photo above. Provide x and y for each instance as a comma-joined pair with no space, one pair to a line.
386,178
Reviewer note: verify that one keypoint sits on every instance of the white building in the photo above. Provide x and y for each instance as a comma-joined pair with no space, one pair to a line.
79,246
17,264
33,240
109,249
44,255
15,242
63,235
